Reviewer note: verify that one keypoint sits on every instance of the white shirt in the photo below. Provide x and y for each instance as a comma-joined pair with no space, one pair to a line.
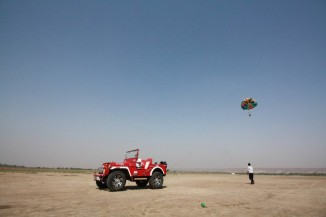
250,169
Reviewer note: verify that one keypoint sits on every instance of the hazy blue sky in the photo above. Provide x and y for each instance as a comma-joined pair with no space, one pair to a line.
81,82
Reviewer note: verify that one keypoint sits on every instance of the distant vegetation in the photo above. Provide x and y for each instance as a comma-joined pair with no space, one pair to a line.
15,168
244,173
24,169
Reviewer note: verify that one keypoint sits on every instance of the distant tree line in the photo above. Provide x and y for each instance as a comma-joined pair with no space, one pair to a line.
6,165
71,168
58,168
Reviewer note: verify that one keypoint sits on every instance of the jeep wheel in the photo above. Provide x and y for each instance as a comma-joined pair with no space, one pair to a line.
101,185
156,181
141,183
116,181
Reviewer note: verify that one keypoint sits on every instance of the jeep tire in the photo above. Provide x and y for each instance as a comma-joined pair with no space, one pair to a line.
156,181
101,185
116,181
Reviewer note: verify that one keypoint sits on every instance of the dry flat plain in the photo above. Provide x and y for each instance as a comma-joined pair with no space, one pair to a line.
68,194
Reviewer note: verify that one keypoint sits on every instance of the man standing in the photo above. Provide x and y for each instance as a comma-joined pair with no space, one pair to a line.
250,171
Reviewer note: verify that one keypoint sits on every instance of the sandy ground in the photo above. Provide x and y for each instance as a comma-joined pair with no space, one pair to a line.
60,194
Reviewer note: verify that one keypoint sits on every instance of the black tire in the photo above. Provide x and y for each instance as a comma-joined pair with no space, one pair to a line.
116,181
101,185
156,181
142,183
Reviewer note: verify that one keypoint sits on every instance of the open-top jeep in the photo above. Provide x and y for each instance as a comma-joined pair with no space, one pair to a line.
113,175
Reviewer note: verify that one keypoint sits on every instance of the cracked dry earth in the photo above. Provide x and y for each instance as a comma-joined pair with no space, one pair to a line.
61,194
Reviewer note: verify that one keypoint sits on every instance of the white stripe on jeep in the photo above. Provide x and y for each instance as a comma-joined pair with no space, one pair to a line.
112,168
146,165
156,168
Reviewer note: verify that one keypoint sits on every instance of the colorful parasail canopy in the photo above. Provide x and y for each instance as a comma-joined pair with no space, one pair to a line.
248,103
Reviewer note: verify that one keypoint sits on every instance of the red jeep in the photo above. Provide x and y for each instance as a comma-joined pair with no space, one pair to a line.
113,175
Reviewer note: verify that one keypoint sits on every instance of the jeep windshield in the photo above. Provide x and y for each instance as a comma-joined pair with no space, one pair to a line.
132,154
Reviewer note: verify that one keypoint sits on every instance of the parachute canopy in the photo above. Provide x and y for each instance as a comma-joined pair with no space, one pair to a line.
248,103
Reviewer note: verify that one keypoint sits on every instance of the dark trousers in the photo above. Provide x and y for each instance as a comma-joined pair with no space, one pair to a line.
251,177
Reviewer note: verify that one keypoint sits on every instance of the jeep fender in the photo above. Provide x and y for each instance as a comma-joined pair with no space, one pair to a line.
157,168
121,168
